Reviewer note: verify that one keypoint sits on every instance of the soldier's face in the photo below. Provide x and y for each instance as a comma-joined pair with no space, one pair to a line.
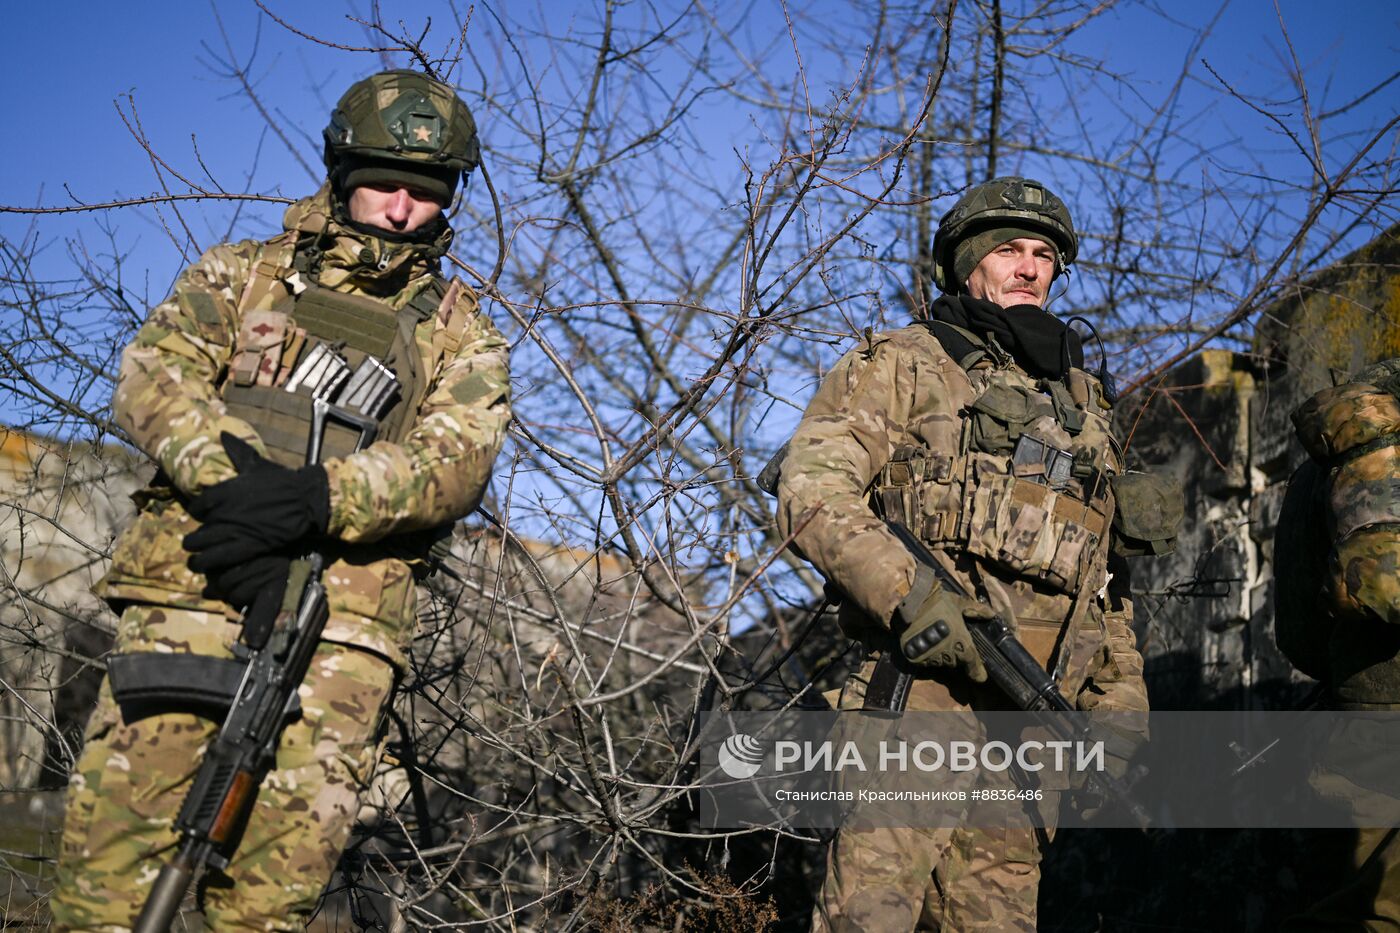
392,207
1018,272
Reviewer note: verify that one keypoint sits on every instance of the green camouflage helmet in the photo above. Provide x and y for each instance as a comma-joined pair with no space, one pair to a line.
1007,207
403,127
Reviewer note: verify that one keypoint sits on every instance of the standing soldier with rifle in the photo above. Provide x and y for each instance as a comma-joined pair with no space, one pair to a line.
980,433
257,388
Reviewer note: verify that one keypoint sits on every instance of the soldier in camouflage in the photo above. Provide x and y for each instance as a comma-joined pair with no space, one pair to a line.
981,432
1337,608
205,389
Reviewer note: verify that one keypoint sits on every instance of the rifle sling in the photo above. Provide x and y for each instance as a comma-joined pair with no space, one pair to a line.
149,683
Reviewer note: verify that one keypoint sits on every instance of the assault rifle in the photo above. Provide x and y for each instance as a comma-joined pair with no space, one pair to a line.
1012,669
240,756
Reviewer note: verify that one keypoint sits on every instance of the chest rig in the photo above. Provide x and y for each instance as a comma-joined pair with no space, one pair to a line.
295,334
1019,480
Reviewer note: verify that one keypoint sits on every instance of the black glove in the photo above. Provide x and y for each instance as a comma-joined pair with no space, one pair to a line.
240,584
262,510
255,588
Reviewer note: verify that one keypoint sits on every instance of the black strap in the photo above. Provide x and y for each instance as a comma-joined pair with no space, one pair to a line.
956,342
425,304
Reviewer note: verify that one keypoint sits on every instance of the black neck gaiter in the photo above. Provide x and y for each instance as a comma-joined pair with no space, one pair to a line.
1035,338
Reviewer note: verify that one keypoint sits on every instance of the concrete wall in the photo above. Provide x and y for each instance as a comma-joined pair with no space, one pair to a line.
59,506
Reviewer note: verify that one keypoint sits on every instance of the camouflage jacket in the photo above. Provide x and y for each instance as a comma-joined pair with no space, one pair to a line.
168,400
901,391
1345,627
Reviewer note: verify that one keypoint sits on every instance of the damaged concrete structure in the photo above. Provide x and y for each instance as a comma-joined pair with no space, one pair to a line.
1220,424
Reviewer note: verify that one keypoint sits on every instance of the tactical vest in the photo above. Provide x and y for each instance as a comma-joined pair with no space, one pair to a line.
1337,547
284,314
1025,486
149,562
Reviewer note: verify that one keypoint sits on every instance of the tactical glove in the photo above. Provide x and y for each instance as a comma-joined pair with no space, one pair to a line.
933,631
255,588
261,607
1121,740
261,510
240,584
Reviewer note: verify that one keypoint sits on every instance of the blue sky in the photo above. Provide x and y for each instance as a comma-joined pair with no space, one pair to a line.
83,60
75,59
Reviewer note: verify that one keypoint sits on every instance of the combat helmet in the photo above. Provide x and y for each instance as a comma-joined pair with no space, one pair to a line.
400,126
993,213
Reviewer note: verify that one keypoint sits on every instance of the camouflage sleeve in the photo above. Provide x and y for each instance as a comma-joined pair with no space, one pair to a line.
1129,691
1118,685
846,436
439,472
165,398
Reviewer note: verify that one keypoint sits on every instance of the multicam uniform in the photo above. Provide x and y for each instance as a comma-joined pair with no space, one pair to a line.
902,429
1337,606
210,359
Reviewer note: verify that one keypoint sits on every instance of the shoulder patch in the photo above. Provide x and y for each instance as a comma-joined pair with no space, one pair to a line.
201,305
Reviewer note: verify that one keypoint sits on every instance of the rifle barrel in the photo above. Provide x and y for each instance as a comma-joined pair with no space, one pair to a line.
163,903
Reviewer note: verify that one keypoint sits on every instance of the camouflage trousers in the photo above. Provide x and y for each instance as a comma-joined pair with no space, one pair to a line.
132,777
952,879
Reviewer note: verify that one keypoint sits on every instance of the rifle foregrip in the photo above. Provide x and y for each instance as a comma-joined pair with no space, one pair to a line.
1028,682
163,903
1001,672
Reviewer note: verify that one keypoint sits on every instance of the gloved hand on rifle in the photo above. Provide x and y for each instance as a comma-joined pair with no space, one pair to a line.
261,510
932,628
1122,735
250,523
254,588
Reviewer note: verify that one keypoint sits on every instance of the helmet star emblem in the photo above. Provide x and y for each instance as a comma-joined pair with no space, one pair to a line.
422,133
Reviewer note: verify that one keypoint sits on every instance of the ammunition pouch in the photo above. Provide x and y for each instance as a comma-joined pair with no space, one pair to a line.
1030,528
1039,462
979,504
898,494
149,683
271,345
1001,414
1148,514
